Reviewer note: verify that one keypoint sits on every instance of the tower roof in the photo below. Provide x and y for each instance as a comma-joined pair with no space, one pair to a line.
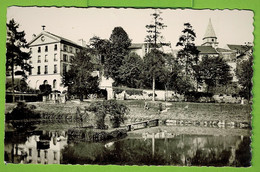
210,33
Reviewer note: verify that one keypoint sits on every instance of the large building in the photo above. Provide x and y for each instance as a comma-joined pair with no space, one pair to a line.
51,56
230,54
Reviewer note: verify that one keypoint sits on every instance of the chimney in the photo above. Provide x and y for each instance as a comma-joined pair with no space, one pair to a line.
33,36
82,42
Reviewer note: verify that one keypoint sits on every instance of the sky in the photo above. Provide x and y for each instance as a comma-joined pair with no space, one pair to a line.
230,26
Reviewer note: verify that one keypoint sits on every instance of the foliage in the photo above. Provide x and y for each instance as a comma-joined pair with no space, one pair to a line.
115,110
119,48
19,85
194,96
214,71
79,79
134,92
102,48
154,37
130,71
45,89
22,111
188,55
15,54
154,67
244,74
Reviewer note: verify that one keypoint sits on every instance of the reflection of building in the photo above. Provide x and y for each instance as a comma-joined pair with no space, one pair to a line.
51,56
38,155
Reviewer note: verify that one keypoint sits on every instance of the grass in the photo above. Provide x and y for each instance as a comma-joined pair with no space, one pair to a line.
177,110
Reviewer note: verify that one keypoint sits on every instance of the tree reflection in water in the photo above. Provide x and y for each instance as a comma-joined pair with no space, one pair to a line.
193,150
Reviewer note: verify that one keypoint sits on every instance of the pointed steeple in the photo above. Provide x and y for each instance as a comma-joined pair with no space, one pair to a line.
210,33
210,38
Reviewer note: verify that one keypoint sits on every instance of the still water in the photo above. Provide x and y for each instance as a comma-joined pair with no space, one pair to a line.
51,146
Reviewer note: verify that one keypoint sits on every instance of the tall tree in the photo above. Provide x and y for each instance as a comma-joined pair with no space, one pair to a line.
154,39
16,54
130,71
188,55
154,67
79,79
102,48
213,71
244,74
119,48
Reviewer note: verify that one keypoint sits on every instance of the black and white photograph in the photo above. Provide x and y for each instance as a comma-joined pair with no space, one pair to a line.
126,86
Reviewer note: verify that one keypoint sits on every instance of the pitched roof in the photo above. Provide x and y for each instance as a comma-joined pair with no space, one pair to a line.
222,50
136,45
210,33
239,47
207,50
61,39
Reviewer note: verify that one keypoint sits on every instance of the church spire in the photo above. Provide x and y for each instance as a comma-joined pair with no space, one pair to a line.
210,38
210,33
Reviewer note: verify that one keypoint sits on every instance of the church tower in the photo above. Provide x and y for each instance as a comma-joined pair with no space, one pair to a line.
210,38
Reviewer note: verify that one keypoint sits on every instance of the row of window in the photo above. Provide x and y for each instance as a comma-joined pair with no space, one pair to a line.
45,58
66,48
45,70
45,154
70,49
46,48
66,58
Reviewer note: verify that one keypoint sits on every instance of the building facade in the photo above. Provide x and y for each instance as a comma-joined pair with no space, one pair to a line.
51,55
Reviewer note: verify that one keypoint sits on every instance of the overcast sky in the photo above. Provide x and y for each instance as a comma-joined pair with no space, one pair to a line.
231,26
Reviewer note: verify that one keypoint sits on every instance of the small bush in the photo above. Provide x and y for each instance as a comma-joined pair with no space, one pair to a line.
134,92
116,111
22,111
118,90
151,95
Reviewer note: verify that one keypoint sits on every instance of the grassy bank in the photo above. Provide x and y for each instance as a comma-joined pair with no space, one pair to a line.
175,110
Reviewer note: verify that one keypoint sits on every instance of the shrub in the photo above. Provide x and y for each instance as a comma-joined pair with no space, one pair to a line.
115,110
134,92
118,90
22,111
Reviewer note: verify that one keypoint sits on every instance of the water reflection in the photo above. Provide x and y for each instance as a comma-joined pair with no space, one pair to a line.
51,147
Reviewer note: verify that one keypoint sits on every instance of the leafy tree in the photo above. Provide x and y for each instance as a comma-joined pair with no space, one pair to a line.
102,48
188,55
79,79
45,89
175,78
154,67
116,111
16,54
154,37
214,71
119,48
244,74
130,71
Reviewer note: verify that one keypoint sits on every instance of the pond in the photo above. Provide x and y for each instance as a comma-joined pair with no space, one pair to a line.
167,145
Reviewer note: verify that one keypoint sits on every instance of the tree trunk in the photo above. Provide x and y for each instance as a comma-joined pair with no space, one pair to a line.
81,97
13,79
153,88
166,93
